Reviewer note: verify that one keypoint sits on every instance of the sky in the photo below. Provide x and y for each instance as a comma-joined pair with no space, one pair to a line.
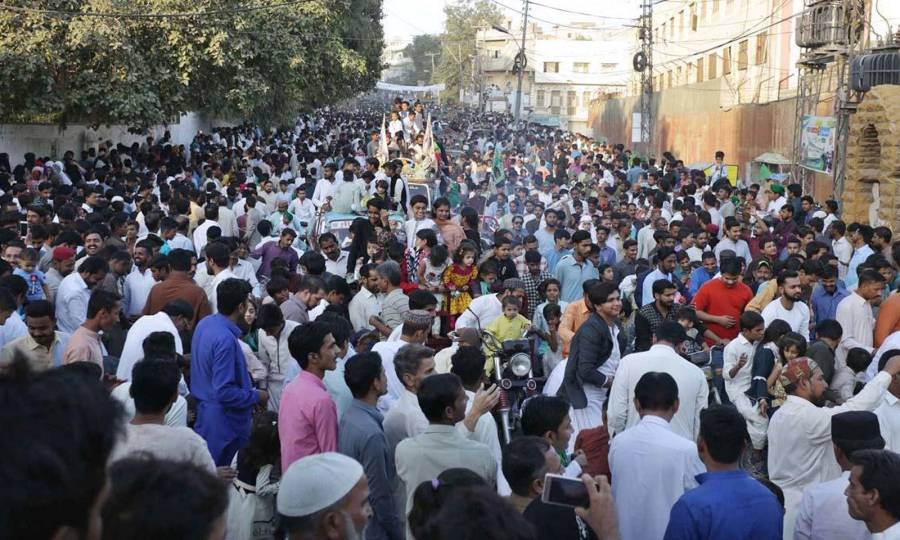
406,18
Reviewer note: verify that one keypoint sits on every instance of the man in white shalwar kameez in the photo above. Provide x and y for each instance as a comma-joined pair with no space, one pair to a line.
737,371
800,446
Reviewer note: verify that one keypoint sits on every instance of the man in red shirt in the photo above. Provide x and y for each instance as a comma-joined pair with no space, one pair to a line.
720,302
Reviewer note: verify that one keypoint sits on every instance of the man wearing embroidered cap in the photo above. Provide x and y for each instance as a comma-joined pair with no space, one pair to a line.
324,496
800,444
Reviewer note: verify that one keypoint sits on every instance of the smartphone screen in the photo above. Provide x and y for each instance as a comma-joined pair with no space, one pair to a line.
564,491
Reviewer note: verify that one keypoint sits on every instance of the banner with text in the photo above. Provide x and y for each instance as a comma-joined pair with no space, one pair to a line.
817,142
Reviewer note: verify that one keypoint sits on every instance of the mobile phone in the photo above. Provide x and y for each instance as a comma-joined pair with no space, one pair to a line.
563,491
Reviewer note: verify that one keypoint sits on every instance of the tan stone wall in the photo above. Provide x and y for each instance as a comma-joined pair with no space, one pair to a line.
872,187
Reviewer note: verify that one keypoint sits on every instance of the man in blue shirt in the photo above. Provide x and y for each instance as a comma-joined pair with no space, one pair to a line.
705,272
728,504
361,436
665,264
607,254
220,381
828,295
546,235
559,250
574,269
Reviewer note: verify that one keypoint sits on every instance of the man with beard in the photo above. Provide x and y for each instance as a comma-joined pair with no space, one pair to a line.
789,307
324,496
800,445
649,318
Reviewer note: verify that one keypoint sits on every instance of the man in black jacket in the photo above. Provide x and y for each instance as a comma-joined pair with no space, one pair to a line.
593,357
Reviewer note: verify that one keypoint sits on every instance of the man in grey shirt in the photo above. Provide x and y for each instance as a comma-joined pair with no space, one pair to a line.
394,304
296,307
361,436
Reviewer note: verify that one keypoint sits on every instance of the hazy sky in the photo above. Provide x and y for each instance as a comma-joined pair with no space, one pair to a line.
406,18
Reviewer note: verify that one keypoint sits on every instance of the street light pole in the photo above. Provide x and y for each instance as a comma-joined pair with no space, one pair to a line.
521,64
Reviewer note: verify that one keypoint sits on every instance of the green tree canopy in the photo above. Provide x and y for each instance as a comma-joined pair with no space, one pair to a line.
143,62
420,51
464,18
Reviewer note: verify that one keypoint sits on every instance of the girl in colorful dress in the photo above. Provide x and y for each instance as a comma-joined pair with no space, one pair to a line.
459,278
416,256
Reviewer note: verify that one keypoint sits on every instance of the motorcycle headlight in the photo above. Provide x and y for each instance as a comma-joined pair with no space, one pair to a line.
520,364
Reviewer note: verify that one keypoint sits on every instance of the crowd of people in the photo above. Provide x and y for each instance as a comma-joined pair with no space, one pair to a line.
292,334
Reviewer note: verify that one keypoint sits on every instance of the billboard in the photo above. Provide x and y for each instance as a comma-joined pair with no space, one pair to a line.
817,142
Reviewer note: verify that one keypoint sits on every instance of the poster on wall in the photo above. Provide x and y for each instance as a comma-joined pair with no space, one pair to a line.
636,127
817,142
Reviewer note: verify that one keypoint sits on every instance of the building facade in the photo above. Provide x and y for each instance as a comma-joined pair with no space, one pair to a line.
566,68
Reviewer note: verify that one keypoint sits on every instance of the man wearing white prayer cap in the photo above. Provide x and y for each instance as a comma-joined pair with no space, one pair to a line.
324,497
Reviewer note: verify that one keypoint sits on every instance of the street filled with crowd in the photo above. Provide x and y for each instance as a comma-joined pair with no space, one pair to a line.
404,320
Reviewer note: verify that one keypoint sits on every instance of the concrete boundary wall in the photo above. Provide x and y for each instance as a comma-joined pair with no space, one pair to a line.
49,140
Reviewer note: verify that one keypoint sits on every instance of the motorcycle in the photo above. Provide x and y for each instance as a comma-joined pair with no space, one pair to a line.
516,374
710,361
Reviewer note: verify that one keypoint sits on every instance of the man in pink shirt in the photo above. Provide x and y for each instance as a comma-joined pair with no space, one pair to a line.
307,416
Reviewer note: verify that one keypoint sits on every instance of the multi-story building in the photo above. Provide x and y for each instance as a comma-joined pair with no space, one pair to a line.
399,66
566,68
739,51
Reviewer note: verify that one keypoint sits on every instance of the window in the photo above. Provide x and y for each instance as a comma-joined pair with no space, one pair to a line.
742,55
671,27
581,67
681,23
699,70
715,6
571,100
496,54
713,63
678,75
702,12
551,67
656,83
693,12
726,61
663,32
669,75
762,49
586,98
540,98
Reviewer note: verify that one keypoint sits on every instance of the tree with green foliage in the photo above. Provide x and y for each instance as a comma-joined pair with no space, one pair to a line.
464,18
144,62
420,51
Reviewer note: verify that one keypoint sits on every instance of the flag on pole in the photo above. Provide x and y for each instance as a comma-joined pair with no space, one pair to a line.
428,143
497,169
382,153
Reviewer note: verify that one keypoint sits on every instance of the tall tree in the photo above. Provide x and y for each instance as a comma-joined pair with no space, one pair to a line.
142,62
464,18
420,51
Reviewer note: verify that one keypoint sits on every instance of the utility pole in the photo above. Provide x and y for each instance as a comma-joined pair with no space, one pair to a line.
643,62
824,66
521,64
462,92
433,74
